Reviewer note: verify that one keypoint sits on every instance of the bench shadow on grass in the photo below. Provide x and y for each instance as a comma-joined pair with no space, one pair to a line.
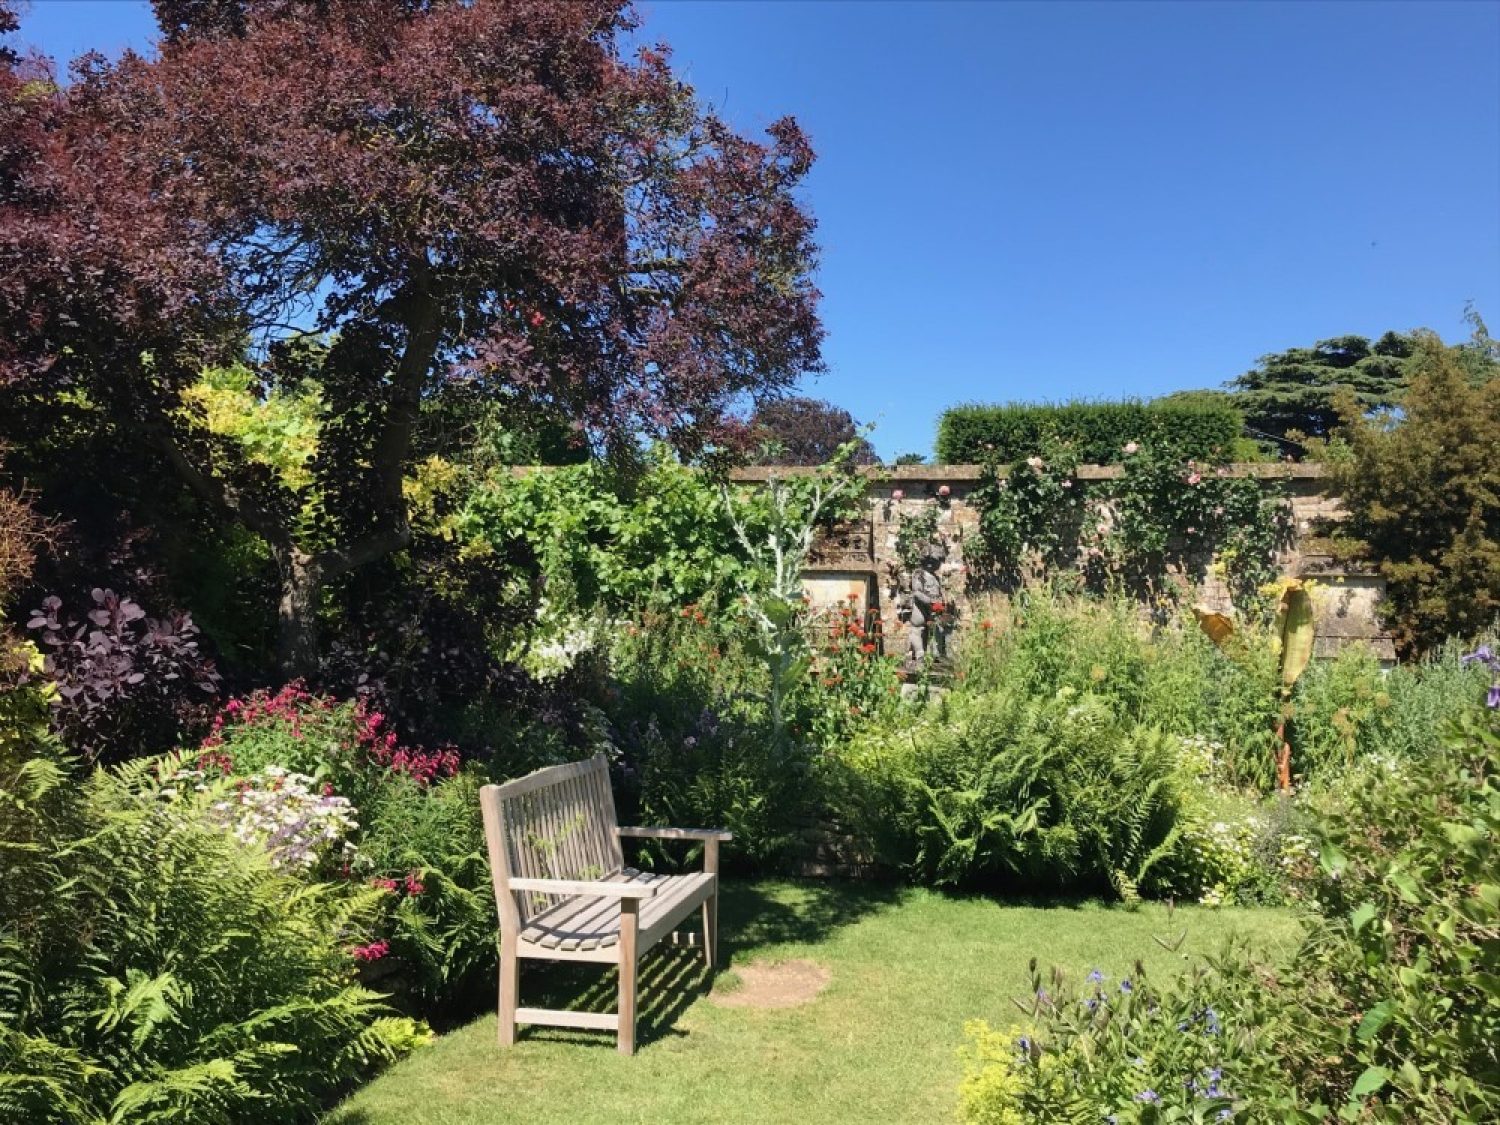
673,975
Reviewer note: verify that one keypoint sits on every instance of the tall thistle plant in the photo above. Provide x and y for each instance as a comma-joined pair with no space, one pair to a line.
776,528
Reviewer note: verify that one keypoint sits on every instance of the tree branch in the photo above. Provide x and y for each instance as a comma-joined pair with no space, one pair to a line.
218,491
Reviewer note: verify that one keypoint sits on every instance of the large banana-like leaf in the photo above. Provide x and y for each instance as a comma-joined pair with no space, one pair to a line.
1296,630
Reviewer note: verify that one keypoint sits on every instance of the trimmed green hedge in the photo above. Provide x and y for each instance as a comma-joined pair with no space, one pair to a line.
1098,430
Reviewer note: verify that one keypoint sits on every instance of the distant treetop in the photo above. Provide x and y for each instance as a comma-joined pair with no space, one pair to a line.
804,431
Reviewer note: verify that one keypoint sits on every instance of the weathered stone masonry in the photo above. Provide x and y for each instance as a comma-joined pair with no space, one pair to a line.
860,559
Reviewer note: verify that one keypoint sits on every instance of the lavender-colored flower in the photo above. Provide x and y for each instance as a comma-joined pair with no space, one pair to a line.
1096,977
1150,1097
1126,986
1492,700
1481,655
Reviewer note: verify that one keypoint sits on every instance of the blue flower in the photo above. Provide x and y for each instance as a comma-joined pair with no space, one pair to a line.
1150,1097
1024,1043
1126,986
1096,977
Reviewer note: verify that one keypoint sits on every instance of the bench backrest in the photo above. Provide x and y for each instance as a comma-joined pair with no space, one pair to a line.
556,823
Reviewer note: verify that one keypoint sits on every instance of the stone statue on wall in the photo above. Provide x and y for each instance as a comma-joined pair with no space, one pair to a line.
924,634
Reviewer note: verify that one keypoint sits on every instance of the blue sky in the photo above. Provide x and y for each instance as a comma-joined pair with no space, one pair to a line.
1044,201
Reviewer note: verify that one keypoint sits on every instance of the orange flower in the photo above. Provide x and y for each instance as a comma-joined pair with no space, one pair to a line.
867,649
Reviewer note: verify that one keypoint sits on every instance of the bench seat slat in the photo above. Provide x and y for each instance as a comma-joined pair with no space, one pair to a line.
595,923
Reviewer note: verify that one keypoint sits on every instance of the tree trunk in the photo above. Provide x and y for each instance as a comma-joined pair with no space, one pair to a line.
302,579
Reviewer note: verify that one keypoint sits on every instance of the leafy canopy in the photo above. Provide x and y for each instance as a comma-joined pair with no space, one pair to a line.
1423,498
482,195
1292,392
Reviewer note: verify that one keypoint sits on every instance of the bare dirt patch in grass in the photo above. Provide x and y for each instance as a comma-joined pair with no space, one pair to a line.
786,984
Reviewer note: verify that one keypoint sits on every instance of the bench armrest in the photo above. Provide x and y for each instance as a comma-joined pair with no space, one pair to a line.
584,887
676,833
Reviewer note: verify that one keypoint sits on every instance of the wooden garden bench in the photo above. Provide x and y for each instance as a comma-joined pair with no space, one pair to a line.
565,894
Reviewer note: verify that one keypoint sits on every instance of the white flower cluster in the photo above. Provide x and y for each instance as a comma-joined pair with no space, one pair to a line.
1226,849
283,813
1201,756
1296,848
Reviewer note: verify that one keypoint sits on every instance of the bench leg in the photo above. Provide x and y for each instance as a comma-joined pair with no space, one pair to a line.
510,988
711,905
629,922
711,930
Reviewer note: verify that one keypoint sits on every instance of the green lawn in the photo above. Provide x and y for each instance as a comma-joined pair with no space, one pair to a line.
908,967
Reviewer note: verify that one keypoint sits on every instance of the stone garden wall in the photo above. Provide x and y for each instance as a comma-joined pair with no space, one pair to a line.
859,562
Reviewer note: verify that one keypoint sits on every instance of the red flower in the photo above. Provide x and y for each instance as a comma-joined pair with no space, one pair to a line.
372,952
938,607
867,649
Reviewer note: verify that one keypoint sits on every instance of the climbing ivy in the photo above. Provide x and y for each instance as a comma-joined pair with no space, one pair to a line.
1152,530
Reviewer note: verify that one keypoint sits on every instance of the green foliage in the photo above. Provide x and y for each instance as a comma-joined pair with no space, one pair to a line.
277,428
155,970
1098,431
775,529
1199,1050
1053,794
850,683
1294,392
1168,676
686,708
1407,887
425,846
1423,501
1166,516
1387,1014
1349,708
1030,514
1152,530
601,539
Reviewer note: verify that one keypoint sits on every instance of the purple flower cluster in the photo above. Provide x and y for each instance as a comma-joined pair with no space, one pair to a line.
1486,656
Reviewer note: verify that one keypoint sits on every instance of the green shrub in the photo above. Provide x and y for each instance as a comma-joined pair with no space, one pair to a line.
1349,707
1167,675
154,969
1423,501
1056,794
423,845
1387,1013
686,709
1098,431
